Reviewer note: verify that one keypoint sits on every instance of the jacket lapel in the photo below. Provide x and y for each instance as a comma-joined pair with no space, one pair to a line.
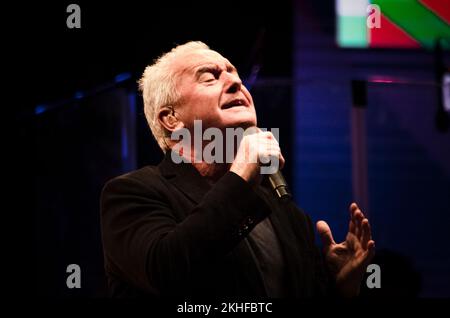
184,177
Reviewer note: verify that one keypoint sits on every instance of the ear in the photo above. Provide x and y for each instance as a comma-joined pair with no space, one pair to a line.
168,120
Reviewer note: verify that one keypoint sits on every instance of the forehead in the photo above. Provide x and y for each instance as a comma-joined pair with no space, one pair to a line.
188,63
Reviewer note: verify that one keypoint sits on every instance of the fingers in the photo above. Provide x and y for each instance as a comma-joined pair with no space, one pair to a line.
353,208
351,226
282,161
359,225
258,148
370,251
258,153
366,233
356,217
352,242
269,151
352,223
325,234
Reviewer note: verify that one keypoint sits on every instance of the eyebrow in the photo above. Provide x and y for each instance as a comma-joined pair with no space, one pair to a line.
231,68
206,69
213,68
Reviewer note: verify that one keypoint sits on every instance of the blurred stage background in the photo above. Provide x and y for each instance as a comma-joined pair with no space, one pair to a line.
360,113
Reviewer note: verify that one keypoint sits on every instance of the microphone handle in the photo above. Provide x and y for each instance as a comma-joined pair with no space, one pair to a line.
279,185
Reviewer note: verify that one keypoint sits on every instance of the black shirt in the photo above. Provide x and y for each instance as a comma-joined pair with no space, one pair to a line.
266,248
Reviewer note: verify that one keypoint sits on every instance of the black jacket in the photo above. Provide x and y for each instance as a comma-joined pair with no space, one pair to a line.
167,232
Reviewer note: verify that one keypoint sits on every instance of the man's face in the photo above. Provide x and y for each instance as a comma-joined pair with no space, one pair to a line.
212,91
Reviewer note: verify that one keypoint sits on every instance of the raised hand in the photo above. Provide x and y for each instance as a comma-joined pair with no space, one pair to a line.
348,260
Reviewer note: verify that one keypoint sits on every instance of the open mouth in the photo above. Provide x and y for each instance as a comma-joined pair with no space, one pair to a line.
234,103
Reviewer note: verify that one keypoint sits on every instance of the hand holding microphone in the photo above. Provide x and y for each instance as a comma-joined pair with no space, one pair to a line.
257,149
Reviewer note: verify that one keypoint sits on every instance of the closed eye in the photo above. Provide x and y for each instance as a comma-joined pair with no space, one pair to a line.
207,77
208,74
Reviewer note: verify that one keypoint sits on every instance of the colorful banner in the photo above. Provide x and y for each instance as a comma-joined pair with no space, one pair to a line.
393,23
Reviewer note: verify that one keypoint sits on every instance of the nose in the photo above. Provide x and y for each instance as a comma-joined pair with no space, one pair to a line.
234,83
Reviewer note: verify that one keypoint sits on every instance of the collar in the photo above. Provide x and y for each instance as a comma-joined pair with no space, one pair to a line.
184,176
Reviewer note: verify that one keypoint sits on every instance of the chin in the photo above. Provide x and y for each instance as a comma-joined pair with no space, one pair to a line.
243,123
240,118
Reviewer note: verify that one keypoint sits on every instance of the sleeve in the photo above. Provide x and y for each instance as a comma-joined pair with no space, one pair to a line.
152,251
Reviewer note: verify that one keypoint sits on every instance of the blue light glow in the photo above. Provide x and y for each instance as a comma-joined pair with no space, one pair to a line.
122,77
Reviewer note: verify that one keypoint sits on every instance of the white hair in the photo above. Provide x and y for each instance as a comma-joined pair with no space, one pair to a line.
158,86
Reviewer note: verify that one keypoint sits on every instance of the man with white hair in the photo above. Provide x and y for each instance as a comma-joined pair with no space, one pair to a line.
196,227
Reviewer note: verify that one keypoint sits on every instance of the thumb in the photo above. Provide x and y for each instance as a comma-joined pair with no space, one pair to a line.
325,233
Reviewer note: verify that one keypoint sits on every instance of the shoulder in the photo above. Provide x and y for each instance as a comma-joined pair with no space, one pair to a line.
144,179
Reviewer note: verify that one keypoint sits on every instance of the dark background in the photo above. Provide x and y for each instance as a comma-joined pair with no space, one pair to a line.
82,123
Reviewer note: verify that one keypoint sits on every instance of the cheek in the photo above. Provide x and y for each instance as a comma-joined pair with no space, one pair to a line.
205,101
202,105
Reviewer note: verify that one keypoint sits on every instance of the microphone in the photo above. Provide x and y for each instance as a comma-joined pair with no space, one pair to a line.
276,180
279,186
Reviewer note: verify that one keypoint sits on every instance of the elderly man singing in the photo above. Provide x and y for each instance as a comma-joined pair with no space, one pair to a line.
201,228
